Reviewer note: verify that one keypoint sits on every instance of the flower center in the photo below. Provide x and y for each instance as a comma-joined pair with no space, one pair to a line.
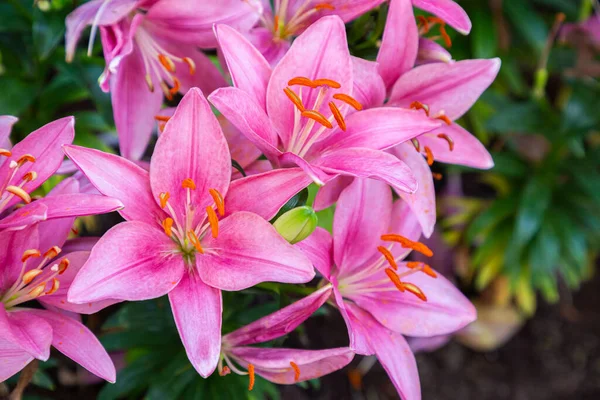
36,282
12,187
305,116
185,233
359,284
416,105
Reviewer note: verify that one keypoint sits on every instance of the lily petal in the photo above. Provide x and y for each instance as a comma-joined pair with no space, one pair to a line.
264,194
448,88
315,173
422,202
192,146
30,333
20,218
329,194
280,322
249,70
357,332
449,11
77,342
121,179
400,42
13,359
369,88
248,251
349,10
431,51
130,262
368,163
12,246
6,123
197,310
274,364
318,247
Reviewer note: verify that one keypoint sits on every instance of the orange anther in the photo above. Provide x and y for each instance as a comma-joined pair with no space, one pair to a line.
276,22
422,267
17,191
395,279
302,81
423,21
250,377
225,371
317,116
407,243
337,115
149,82
166,90
176,86
413,264
447,139
213,221
29,276
167,225
417,105
55,286
414,289
324,6
30,176
164,198
191,64
52,252
429,155
445,119
416,143
437,176
429,271
27,254
167,63
63,265
26,157
218,199
327,82
296,369
388,256
195,242
351,101
294,99
6,153
38,290
188,183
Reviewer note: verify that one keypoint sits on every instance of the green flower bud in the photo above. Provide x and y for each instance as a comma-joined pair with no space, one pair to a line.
297,224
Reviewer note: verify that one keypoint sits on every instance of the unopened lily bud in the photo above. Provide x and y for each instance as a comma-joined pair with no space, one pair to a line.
297,224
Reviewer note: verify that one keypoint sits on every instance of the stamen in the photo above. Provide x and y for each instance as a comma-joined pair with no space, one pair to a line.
27,254
250,377
302,81
213,221
388,256
425,268
6,153
167,63
414,289
29,276
164,198
417,105
337,115
324,6
351,101
294,99
162,118
429,155
149,82
166,91
437,176
327,82
188,183
318,117
52,252
416,143
195,242
423,21
191,64
296,369
167,225
218,199
30,176
447,139
38,290
225,371
63,265
395,279
445,119
24,158
407,243
443,33
17,191
55,286
176,86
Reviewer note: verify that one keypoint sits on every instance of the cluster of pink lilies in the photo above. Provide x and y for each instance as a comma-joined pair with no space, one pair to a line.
359,129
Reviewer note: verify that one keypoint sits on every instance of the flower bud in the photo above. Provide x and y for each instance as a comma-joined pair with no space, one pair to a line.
297,224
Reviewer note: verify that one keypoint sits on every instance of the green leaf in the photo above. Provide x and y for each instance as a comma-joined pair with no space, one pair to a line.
11,20
48,31
134,376
484,42
544,252
16,96
526,117
534,202
527,22
487,221
173,379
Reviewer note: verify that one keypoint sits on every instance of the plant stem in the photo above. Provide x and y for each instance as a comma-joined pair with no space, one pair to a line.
24,379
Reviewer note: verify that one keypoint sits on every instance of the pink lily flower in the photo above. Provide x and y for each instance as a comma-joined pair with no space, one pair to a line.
151,52
306,111
24,167
280,365
31,269
282,20
380,296
178,239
